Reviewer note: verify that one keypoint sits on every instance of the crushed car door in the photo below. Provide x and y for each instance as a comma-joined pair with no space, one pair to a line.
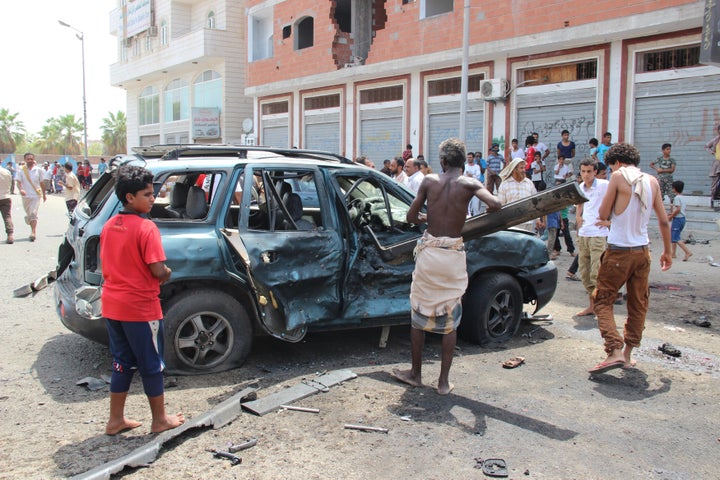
294,253
379,275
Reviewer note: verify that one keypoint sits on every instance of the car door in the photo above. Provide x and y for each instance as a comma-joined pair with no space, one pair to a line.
378,275
292,249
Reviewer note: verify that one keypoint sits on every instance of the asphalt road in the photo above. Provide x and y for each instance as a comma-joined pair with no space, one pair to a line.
547,418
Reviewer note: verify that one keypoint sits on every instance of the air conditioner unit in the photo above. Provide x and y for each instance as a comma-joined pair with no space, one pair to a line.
153,31
493,88
128,42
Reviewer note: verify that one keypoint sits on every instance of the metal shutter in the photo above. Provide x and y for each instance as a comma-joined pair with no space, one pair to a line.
275,133
682,112
444,123
322,132
381,133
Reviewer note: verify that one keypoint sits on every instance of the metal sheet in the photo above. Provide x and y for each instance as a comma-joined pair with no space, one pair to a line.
444,123
381,134
322,132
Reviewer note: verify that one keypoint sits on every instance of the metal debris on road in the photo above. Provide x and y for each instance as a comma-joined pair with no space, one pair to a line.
242,446
300,409
234,459
365,428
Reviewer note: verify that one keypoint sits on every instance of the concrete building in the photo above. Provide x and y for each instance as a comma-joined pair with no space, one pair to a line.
182,63
369,76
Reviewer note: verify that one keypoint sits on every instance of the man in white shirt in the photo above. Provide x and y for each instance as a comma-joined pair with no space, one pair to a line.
415,176
472,169
592,232
397,166
29,183
562,170
541,146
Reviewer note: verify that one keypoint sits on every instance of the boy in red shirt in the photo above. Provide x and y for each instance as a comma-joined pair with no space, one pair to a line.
133,268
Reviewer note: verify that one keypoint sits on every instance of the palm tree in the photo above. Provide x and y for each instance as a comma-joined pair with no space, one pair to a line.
12,131
70,129
49,137
114,136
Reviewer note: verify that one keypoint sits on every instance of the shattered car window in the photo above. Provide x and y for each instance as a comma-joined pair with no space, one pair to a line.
284,200
186,196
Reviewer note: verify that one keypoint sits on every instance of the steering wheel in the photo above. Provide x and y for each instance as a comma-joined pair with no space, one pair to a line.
356,209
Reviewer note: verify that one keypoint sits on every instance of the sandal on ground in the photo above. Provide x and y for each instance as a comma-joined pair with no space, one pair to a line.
513,362
572,276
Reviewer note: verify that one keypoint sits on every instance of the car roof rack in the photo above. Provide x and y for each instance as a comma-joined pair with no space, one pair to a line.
177,151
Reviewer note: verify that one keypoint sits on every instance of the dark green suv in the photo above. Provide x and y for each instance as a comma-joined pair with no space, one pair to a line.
282,242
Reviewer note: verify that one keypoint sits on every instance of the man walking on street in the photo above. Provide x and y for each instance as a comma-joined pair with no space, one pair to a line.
495,163
630,196
440,276
6,182
29,181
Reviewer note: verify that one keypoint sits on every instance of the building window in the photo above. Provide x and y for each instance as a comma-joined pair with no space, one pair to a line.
430,8
148,43
286,32
383,94
567,72
149,106
275,108
260,36
323,101
669,59
207,90
211,20
177,100
451,86
304,33
163,33
136,46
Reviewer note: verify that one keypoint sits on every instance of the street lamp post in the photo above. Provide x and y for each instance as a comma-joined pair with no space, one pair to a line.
81,37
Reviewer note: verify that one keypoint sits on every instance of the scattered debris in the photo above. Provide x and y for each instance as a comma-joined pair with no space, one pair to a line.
365,428
669,349
242,446
304,389
406,418
300,409
92,383
492,467
700,322
513,362
234,459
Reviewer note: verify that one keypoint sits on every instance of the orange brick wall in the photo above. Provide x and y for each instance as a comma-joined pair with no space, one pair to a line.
405,35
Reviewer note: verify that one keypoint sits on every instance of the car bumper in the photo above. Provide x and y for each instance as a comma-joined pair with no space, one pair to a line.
543,282
64,295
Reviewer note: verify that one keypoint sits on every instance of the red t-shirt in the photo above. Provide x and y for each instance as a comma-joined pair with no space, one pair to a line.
529,157
128,244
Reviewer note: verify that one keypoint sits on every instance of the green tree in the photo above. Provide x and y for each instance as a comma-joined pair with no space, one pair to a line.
114,136
12,131
70,129
48,140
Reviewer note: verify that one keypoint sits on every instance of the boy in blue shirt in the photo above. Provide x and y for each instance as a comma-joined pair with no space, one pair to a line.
677,215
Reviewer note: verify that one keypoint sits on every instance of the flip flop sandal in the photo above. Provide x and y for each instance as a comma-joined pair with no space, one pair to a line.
512,363
495,467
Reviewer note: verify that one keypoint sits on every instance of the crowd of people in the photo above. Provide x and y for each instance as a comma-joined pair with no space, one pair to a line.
34,182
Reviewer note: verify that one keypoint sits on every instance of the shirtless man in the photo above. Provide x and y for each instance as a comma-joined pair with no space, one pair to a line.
440,276
630,196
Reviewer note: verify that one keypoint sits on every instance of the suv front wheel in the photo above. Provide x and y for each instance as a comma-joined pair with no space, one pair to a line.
206,331
491,309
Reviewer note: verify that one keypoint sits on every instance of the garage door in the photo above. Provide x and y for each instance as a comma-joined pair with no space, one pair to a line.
444,123
322,132
548,114
275,132
381,133
684,113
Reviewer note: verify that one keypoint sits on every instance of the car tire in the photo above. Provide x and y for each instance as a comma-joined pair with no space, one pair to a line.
492,308
206,331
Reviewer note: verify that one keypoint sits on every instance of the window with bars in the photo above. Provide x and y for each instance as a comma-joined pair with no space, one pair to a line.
324,101
669,59
567,72
274,107
451,86
383,94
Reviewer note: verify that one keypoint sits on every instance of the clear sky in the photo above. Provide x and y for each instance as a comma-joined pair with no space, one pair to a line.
41,73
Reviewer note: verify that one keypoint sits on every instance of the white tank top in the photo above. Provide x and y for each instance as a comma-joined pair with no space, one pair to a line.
629,229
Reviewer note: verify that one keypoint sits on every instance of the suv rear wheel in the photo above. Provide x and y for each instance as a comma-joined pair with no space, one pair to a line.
206,331
491,309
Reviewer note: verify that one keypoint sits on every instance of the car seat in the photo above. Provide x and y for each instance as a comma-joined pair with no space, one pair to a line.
196,206
295,209
178,199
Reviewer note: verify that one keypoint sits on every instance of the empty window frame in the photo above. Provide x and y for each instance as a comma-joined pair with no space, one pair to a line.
567,72
304,33
260,36
211,19
669,59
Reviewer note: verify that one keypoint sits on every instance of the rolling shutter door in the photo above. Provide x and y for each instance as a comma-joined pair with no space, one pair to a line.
681,112
381,134
444,123
275,132
322,132
548,114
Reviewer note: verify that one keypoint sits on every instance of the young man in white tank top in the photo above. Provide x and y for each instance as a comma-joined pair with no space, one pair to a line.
630,196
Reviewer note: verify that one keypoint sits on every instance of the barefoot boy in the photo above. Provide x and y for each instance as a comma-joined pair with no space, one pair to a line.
630,197
133,269
677,215
440,276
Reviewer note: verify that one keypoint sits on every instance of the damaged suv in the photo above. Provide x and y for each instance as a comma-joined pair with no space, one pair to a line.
282,242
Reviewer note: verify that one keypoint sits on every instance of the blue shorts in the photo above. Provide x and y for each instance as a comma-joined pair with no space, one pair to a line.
678,223
136,346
